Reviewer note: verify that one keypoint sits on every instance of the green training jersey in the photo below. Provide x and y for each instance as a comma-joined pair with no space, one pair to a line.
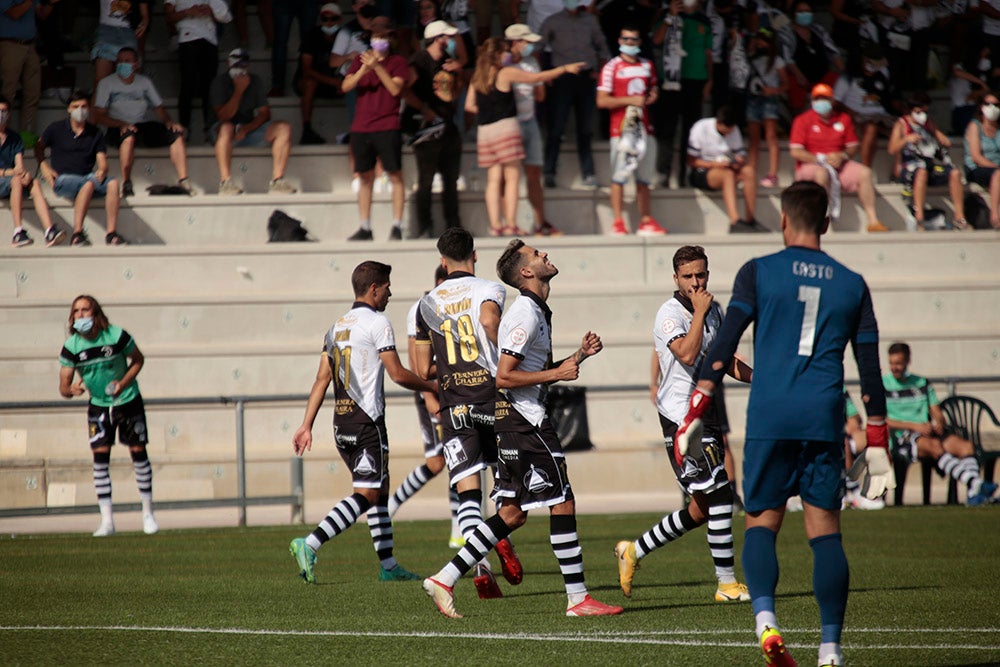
910,399
101,361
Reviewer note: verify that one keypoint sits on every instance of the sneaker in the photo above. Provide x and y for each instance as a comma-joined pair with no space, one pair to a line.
361,235
460,184
79,238
443,596
149,525
185,185
437,184
305,557
986,491
355,185
54,236
550,181
106,529
628,563
381,185
773,648
547,229
311,138
650,227
228,188
590,181
510,564
877,227
398,573
396,234
486,583
114,238
456,542
734,592
859,502
21,239
591,607
127,189
769,181
619,228
281,186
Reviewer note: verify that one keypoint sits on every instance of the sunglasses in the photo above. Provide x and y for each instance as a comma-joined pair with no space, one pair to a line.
630,40
329,18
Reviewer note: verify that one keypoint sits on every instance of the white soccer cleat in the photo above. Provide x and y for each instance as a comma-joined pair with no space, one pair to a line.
106,529
443,596
149,525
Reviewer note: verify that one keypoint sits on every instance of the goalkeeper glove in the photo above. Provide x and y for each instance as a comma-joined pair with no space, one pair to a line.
872,469
691,428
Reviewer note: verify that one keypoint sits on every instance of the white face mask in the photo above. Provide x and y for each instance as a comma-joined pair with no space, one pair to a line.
984,64
919,117
237,71
80,114
991,112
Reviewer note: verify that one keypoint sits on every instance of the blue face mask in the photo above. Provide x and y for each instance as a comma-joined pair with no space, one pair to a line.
804,19
822,107
450,48
629,49
83,324
125,70
528,50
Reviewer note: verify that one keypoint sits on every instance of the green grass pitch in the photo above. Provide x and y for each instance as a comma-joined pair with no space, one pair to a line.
922,585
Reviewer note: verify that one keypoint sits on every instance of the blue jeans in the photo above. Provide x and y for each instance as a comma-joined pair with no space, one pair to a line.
284,12
69,185
579,93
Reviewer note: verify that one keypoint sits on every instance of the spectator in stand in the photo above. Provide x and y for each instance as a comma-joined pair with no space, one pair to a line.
198,52
499,144
864,90
264,15
627,88
456,12
823,143
904,30
115,31
718,161
990,12
848,17
814,57
351,41
315,77
766,85
19,59
923,148
729,43
539,10
523,46
971,78
380,78
688,70
126,104
573,35
79,167
403,17
433,93
284,12
982,153
244,119
15,181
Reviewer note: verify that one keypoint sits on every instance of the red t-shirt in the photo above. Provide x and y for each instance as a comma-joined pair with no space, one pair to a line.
623,79
818,136
376,109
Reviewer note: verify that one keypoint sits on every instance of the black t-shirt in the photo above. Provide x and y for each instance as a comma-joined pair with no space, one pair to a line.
432,82
318,45
253,97
70,153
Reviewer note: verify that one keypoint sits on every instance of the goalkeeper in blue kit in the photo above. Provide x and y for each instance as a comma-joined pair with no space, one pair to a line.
806,308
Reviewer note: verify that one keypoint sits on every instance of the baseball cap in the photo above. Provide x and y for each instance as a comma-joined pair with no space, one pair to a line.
330,8
519,31
438,28
238,56
822,90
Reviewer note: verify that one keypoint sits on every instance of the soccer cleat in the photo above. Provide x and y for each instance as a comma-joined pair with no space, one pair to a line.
619,228
510,564
305,557
650,227
592,607
456,542
443,596
54,236
21,239
832,660
734,592
486,583
106,529
774,650
628,563
859,502
398,573
149,525
986,491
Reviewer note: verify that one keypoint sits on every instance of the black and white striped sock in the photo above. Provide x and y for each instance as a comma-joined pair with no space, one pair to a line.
566,546
143,478
478,543
669,529
380,527
720,534
102,483
470,511
343,515
415,481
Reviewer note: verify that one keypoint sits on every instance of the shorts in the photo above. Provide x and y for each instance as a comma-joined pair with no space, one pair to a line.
5,182
148,134
364,448
703,473
776,470
110,40
256,138
904,445
69,185
531,137
499,143
698,178
469,442
645,171
532,468
761,108
851,173
129,419
430,428
937,174
386,146
980,175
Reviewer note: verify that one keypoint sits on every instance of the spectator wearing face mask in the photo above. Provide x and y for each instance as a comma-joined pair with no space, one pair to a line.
982,153
866,91
814,57
315,77
971,77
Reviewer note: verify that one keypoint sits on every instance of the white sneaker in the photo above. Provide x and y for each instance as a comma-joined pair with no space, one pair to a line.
106,529
381,184
460,184
437,185
355,185
859,502
149,525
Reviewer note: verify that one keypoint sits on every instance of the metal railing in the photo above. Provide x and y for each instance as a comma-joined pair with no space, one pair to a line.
296,497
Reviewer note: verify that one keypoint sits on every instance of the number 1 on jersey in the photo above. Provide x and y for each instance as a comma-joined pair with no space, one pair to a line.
810,297
342,357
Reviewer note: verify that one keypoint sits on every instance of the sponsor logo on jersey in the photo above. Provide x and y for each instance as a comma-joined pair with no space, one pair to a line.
366,465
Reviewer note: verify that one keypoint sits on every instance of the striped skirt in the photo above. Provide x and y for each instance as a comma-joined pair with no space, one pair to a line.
499,142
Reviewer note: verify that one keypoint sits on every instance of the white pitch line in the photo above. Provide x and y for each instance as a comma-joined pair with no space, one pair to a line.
601,638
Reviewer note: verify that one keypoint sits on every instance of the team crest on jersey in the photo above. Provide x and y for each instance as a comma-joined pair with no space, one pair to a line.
838,126
518,336
366,465
690,468
536,480
668,326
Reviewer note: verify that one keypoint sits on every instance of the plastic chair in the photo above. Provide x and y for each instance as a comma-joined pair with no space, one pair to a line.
964,415
901,465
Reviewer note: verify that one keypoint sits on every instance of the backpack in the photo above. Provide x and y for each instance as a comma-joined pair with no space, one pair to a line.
283,228
165,189
977,211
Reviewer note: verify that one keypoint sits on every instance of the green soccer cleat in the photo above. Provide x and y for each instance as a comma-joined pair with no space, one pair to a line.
398,573
774,650
305,557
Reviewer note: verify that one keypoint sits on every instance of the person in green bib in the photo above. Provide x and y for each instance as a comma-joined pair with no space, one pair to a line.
108,361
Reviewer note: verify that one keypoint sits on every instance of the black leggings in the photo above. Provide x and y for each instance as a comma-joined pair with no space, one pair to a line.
199,62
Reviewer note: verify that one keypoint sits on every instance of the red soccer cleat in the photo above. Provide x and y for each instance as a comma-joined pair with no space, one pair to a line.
486,584
510,565
774,650
591,607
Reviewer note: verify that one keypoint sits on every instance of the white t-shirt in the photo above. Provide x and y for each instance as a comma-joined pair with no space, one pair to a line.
677,380
193,28
128,102
991,26
706,143
525,334
353,345
848,91
524,93
769,77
